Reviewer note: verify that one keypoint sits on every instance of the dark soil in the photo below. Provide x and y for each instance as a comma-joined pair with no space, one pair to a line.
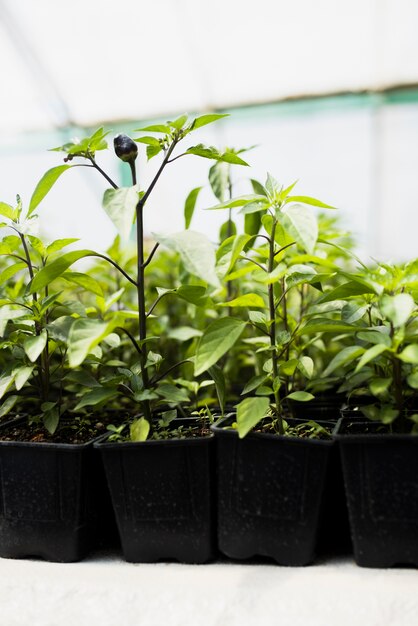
73,431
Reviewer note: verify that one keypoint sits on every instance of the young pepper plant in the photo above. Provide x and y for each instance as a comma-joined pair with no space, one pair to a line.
383,361
36,350
287,221
124,206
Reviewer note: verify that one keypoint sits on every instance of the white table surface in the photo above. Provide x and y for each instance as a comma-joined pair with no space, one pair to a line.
105,591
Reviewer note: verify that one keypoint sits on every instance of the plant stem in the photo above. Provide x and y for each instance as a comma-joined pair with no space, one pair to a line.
109,260
272,330
141,264
41,360
102,172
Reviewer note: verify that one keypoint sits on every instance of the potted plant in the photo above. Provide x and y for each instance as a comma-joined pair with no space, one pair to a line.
378,443
52,490
267,504
158,468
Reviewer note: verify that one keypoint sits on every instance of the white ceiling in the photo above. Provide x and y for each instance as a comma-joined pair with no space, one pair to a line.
87,61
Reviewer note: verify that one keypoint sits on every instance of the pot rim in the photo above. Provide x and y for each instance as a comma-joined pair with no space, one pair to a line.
218,430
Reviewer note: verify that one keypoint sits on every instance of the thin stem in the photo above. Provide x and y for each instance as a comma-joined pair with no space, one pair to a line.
272,331
132,338
177,157
156,301
43,377
109,260
151,254
20,258
284,247
141,303
167,371
262,330
102,172
142,313
133,171
158,174
247,258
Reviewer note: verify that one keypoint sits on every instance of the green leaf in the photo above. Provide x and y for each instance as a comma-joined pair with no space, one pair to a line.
229,156
53,270
384,414
254,383
139,429
217,339
59,244
377,335
8,405
209,152
190,205
237,202
152,151
326,326
219,179
33,346
344,356
196,252
272,186
207,119
171,393
409,354
5,384
249,413
96,396
195,294
227,229
258,187
10,271
397,309
379,386
352,312
155,128
84,280
7,211
300,396
306,366
179,122
252,223
184,333
302,226
248,299
218,377
229,252
288,368
413,380
22,375
51,419
120,205
369,355
85,334
150,141
309,200
46,183
347,290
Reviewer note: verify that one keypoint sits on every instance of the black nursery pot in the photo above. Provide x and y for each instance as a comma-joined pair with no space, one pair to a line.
270,490
381,484
162,492
53,498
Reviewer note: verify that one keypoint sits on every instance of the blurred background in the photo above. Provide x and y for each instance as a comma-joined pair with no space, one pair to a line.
327,92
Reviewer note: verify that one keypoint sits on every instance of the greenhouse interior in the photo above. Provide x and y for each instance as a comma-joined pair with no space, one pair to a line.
209,313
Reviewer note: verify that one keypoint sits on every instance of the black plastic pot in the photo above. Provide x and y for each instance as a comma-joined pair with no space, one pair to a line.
326,406
162,494
381,483
270,491
53,498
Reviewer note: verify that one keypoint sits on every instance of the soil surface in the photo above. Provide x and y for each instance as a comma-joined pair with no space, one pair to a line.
76,430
